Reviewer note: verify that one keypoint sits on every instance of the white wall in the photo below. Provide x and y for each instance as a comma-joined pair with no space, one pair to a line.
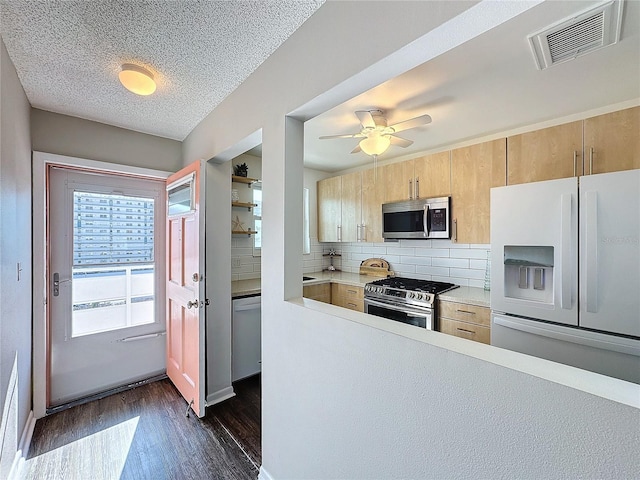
76,137
342,399
15,249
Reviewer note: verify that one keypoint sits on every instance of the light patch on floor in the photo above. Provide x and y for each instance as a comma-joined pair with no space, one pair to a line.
72,461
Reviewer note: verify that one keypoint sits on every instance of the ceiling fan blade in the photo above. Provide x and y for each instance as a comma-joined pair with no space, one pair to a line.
366,119
356,150
350,135
412,123
400,142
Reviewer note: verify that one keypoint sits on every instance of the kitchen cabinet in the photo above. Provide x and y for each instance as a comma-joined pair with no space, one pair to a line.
465,321
474,171
329,209
546,154
423,177
398,181
432,175
372,199
347,296
320,292
612,141
350,207
339,208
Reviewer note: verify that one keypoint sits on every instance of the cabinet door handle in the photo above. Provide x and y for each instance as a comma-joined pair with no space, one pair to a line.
454,234
363,233
417,187
358,233
591,161
339,233
352,291
465,331
410,189
575,162
466,311
352,305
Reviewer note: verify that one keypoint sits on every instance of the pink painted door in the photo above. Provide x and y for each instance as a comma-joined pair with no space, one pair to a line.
185,286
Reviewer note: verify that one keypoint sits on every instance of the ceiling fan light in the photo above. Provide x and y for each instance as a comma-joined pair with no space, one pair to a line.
137,79
375,144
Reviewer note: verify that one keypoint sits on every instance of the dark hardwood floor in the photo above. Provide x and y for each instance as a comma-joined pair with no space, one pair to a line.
143,433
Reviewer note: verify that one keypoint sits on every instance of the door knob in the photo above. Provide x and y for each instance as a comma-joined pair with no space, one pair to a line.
191,304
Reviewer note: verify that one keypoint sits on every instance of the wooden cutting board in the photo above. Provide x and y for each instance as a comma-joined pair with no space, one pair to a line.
375,267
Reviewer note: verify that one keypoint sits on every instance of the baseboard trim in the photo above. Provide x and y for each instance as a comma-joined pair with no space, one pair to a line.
263,474
23,448
220,396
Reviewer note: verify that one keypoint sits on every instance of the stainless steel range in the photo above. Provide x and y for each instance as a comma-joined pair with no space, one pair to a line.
406,300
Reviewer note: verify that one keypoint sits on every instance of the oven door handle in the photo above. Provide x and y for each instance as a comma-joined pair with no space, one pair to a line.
414,312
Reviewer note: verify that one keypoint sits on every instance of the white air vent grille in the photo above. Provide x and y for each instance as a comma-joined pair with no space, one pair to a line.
570,38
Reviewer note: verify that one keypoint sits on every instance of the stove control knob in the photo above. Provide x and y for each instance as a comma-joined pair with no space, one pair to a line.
419,296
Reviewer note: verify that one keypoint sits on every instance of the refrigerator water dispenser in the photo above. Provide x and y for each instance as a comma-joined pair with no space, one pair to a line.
528,273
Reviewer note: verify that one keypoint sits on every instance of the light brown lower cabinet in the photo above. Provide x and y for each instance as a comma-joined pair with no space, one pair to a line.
347,296
465,321
320,292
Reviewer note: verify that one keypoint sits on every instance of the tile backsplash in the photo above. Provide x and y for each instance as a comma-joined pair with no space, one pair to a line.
441,260
243,264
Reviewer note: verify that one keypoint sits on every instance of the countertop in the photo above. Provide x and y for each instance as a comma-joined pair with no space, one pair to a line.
242,288
468,295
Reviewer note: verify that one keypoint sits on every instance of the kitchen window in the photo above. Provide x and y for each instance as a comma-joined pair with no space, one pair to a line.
257,219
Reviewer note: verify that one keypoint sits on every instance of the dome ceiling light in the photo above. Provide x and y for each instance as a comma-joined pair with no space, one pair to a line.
137,79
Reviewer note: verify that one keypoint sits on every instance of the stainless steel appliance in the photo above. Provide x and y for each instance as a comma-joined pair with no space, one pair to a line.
406,300
566,271
421,218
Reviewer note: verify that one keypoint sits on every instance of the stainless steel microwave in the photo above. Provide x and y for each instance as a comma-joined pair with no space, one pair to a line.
422,218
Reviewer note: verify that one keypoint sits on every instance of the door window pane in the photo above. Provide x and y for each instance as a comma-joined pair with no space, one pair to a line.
113,262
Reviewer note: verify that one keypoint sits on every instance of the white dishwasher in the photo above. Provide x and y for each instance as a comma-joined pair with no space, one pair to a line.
246,353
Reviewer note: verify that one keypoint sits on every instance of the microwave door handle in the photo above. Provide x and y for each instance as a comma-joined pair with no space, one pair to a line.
426,220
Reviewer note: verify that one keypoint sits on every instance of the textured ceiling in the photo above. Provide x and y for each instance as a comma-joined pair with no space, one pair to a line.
68,54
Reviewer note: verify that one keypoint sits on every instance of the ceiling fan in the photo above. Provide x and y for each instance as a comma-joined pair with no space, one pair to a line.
377,135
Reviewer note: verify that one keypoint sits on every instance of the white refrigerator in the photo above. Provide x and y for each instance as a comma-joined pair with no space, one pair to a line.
565,271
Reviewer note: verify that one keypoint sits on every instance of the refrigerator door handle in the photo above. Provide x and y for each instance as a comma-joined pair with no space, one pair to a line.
591,250
603,341
566,252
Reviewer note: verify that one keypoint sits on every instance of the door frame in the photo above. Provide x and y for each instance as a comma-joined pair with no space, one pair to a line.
41,162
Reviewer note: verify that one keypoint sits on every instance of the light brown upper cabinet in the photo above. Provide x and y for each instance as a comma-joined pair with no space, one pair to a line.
423,177
373,183
340,208
351,207
398,181
432,175
612,141
474,171
329,209
546,154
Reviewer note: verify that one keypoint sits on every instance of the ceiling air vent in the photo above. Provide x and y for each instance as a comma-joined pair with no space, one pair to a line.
572,37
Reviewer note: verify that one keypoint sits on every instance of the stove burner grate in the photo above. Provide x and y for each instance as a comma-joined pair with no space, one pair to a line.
414,284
